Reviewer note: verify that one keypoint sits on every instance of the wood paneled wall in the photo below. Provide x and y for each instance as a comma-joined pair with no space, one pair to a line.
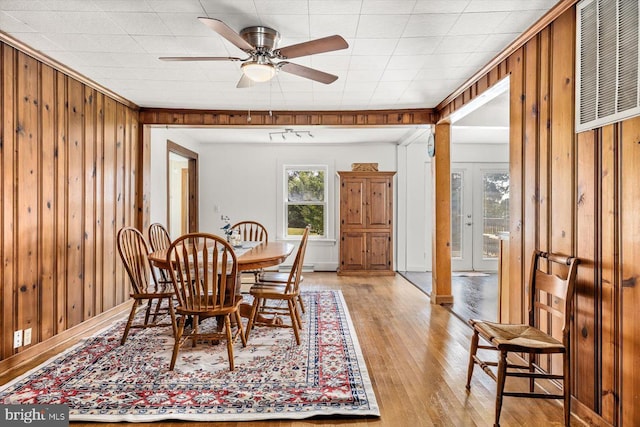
577,194
68,161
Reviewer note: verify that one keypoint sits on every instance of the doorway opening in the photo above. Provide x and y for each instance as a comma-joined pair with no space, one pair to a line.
182,190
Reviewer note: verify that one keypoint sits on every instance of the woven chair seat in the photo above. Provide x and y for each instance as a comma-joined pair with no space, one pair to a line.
517,337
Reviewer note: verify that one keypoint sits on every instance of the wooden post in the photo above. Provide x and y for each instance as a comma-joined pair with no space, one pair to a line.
441,254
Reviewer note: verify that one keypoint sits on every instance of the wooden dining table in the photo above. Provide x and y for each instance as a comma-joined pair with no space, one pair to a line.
259,256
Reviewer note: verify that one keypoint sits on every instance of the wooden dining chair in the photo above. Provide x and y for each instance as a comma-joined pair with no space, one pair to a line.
551,296
251,231
159,239
204,271
134,251
269,299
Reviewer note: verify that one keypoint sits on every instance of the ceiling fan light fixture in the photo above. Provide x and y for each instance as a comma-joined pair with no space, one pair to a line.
258,72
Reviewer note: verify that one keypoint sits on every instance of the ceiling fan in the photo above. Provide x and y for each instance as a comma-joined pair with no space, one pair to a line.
261,44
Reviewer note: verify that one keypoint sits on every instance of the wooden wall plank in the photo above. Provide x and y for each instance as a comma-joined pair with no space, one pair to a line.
102,281
121,194
61,201
8,111
516,171
89,257
75,202
109,200
609,319
544,113
46,235
27,135
630,269
584,336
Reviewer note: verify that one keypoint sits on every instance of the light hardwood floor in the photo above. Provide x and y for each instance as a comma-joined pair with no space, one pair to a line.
417,355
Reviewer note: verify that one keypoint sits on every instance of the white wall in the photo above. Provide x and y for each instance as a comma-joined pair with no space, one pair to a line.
242,182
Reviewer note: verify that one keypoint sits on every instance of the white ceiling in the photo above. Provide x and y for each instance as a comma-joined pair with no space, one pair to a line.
402,53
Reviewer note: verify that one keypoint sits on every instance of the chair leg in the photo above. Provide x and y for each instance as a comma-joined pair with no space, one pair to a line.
130,321
301,303
240,330
252,316
502,374
176,343
227,326
472,352
174,323
566,386
294,319
532,382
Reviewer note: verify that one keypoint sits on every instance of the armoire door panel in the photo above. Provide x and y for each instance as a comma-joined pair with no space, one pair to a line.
352,205
354,246
378,212
378,251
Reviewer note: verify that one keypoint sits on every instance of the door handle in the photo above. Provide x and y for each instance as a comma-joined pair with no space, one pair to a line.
468,223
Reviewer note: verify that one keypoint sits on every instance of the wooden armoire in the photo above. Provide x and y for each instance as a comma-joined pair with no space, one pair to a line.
366,223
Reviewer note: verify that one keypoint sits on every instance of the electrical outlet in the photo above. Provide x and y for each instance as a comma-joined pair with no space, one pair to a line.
27,337
17,339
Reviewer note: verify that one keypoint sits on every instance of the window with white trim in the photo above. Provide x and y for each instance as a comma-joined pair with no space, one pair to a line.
305,200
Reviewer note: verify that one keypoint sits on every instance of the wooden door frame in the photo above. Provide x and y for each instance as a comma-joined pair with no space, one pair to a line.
192,161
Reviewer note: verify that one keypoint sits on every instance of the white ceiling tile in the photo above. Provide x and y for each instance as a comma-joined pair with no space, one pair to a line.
139,23
417,45
121,5
508,5
335,7
398,75
177,6
445,60
402,62
381,26
478,23
428,25
289,7
117,44
11,24
440,6
383,7
228,7
325,25
186,24
291,25
364,75
461,44
374,46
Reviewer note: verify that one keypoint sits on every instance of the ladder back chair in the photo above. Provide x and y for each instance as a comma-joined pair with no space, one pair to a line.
204,271
550,297
134,252
251,231
269,299
159,239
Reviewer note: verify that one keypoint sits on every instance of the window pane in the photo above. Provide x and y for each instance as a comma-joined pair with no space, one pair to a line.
305,185
456,215
299,216
495,210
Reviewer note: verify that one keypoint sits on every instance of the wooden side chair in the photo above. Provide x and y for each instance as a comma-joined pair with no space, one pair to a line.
204,271
159,239
269,299
134,252
251,231
550,296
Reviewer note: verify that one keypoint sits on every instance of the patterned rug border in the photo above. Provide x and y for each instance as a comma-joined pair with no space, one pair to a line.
269,413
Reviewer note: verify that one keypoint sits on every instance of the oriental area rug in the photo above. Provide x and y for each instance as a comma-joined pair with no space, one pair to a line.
102,381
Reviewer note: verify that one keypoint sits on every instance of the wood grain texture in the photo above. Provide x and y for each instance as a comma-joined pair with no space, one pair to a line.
581,186
53,174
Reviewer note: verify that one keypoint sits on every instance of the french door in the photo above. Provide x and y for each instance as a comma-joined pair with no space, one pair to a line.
479,214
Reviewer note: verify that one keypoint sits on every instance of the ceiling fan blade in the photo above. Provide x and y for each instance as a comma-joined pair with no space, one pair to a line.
227,32
307,73
199,58
326,44
244,82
